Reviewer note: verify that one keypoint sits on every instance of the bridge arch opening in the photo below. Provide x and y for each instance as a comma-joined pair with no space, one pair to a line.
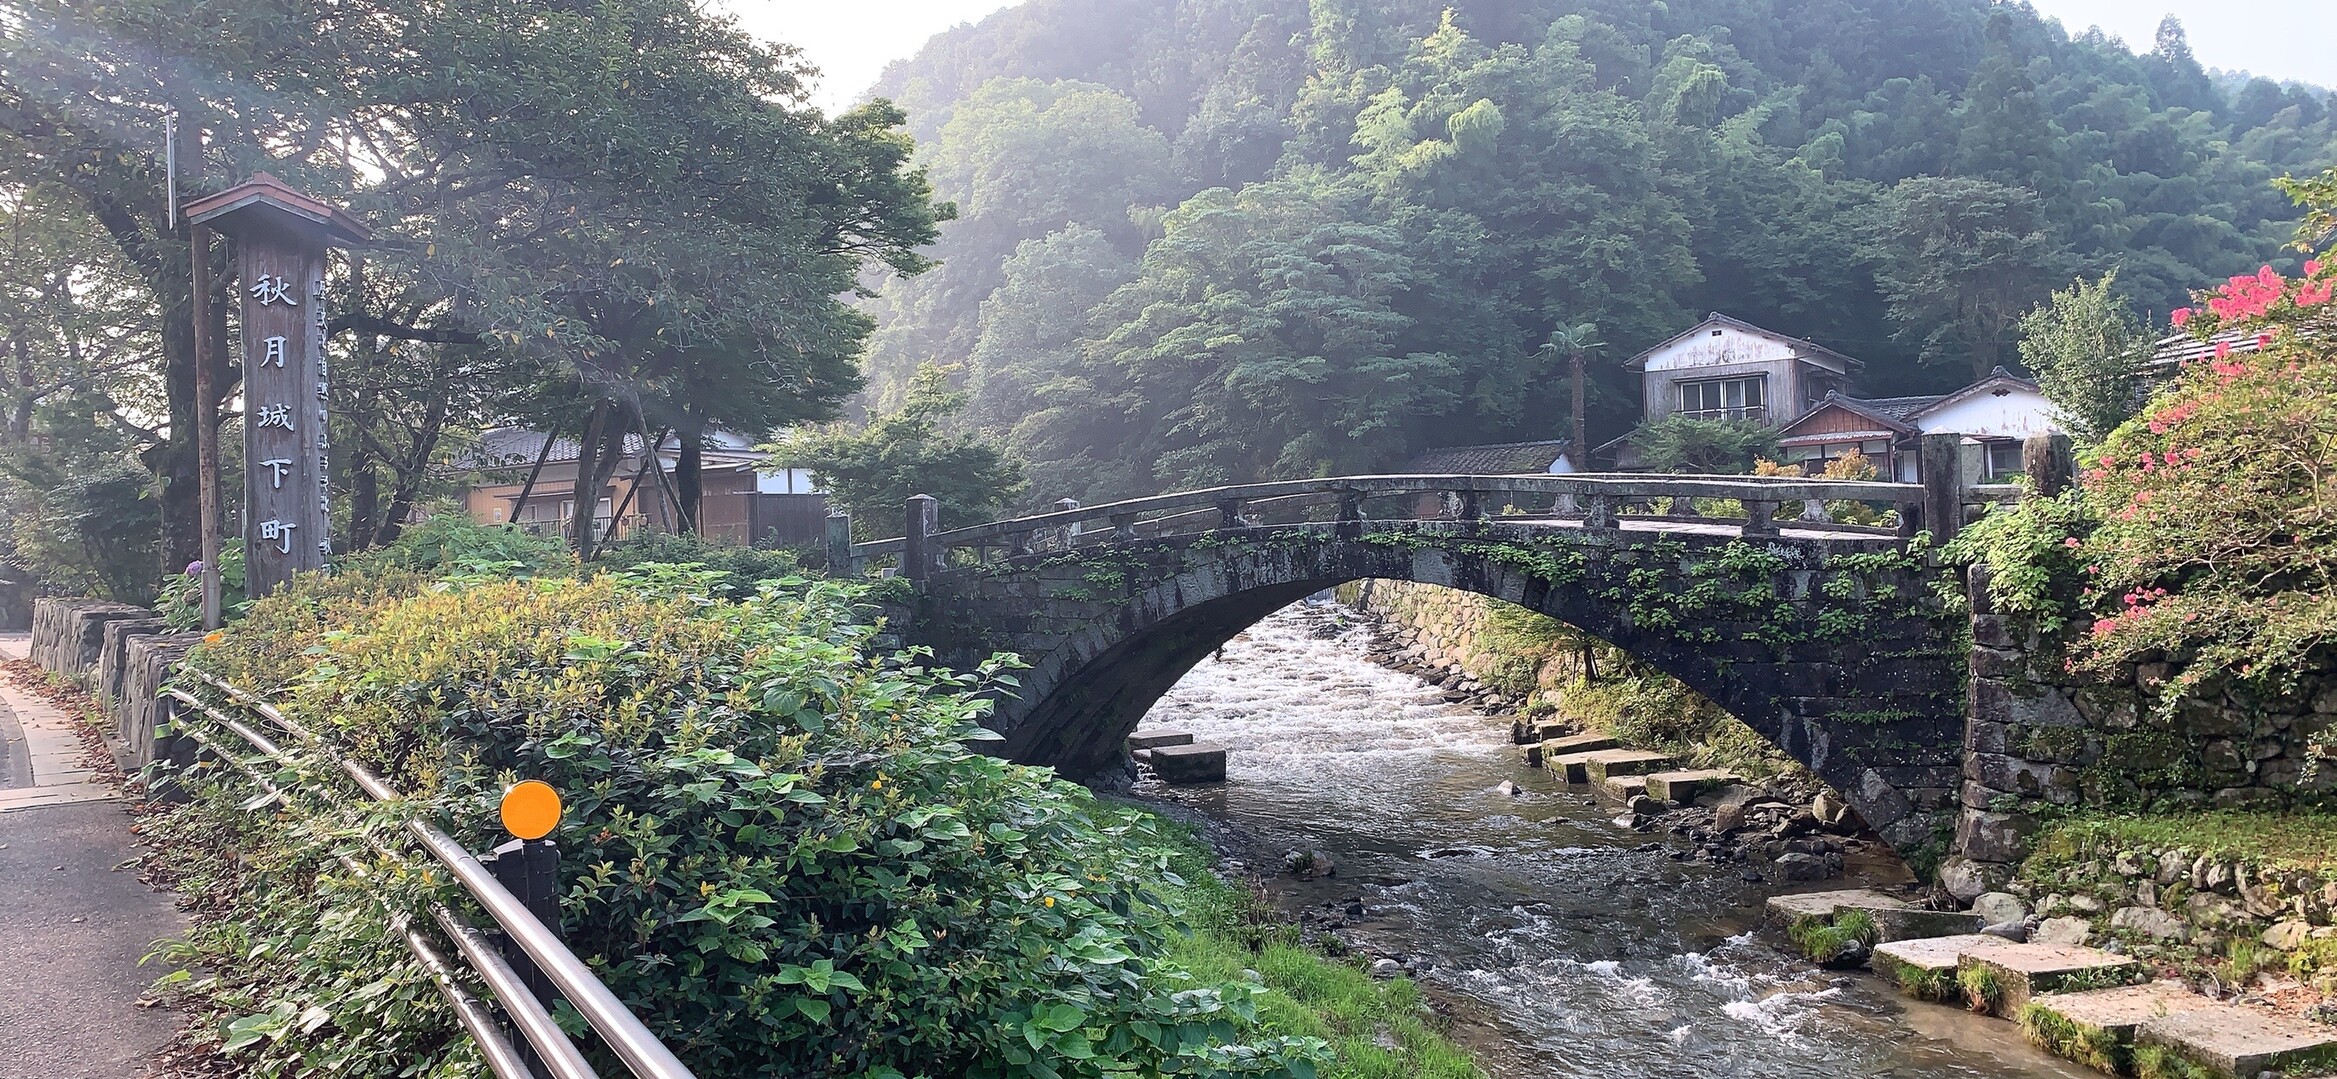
1817,645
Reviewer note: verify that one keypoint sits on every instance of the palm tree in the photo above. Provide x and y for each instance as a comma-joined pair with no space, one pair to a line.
1577,341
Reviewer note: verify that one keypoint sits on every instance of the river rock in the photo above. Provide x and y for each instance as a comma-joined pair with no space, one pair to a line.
1829,808
2062,931
2150,922
2288,935
1967,879
2016,932
1798,867
1386,968
1996,907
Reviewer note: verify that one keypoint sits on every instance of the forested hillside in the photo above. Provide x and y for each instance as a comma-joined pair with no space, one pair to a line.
1218,240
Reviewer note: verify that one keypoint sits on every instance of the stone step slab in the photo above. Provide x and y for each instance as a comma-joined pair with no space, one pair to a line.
1624,788
1682,787
1910,923
2022,971
2240,1043
2097,1027
1601,764
1189,764
1541,753
1799,907
1925,967
1157,739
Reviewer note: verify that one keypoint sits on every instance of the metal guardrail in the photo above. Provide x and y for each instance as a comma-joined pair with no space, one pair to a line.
553,1055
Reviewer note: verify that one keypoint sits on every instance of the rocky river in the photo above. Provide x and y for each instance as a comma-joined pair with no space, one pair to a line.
1562,943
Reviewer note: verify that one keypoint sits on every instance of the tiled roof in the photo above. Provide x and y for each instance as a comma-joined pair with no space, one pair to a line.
1897,408
517,447
1499,459
1801,344
2182,348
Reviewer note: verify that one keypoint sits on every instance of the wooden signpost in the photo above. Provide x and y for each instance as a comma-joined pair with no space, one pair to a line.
281,236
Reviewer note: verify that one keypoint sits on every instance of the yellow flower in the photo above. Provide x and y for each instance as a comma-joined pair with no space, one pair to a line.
1050,901
876,784
705,888
215,636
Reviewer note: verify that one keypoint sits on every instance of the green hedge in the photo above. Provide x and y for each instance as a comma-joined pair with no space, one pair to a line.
777,848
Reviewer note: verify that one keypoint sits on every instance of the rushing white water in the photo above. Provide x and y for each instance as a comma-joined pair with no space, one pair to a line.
1590,948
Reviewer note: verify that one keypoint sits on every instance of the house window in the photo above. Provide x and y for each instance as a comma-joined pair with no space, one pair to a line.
2004,458
1726,398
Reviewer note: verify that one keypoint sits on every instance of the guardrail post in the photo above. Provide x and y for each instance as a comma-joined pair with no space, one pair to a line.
1684,506
1599,511
1070,533
1942,467
917,553
530,868
2050,461
1229,514
1814,511
1471,505
839,544
1760,518
1124,526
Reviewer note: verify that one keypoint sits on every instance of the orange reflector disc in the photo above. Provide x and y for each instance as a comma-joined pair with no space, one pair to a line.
530,808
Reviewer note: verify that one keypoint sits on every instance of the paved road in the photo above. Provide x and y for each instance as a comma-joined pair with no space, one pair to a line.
74,919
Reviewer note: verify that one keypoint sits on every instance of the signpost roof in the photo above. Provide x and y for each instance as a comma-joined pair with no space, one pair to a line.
266,200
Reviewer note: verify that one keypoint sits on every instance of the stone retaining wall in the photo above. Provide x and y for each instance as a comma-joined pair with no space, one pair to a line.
125,655
2039,737
68,635
1453,630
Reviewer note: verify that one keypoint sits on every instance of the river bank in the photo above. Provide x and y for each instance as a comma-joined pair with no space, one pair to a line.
1559,942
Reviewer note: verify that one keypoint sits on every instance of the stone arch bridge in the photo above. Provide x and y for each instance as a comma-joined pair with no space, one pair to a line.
1827,639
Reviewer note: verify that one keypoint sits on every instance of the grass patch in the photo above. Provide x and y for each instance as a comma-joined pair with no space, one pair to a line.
2281,842
2088,1045
1823,941
2160,1062
1983,991
1914,981
1378,1029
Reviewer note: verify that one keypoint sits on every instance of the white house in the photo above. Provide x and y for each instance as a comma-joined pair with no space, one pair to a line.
1729,369
1994,415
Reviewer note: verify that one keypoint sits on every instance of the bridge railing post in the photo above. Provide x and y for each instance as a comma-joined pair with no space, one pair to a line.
1760,518
2051,463
1942,465
1468,505
1069,535
839,544
918,554
1599,511
1123,526
1814,511
1229,514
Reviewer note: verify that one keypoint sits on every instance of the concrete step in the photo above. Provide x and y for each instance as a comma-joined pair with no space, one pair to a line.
1157,739
2236,1042
1602,764
1822,906
1541,752
1925,968
1189,764
2005,978
1624,788
1910,923
2097,1027
1682,787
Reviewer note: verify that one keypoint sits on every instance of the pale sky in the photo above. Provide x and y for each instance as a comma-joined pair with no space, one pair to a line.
852,40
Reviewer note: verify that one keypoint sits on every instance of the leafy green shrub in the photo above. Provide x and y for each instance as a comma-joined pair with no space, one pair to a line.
180,600
777,849
1983,990
743,569
451,542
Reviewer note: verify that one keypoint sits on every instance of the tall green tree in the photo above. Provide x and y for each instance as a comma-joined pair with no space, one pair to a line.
870,471
2086,345
1960,261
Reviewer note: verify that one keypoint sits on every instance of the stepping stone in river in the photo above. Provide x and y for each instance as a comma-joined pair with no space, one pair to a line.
2233,1041
1157,739
1680,788
2097,1027
1804,906
2005,978
1910,923
1624,788
1191,764
1540,753
1602,764
1925,968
